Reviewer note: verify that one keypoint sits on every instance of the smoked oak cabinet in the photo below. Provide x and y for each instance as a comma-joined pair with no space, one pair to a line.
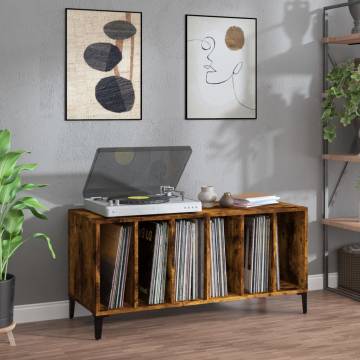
289,229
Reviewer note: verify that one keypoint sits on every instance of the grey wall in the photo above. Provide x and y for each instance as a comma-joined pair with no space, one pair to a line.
279,152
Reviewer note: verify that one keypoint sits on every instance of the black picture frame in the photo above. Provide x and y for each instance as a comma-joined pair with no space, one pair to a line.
66,65
187,117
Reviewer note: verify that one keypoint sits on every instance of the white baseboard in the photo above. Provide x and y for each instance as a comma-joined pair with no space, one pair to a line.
60,309
46,311
315,282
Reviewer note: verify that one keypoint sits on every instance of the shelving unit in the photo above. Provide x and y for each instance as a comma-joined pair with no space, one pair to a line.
328,197
288,226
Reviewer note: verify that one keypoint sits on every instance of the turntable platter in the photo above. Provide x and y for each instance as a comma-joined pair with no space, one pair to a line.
142,200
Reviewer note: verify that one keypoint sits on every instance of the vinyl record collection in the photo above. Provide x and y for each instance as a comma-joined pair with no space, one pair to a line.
153,245
115,246
218,259
257,254
189,259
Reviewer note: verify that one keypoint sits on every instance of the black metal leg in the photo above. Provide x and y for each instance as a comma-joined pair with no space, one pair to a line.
98,322
304,302
71,308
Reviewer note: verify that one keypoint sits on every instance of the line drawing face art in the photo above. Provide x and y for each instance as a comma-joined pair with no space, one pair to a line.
223,58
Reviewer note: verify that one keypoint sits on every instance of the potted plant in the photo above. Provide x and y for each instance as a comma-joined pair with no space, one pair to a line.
12,208
341,101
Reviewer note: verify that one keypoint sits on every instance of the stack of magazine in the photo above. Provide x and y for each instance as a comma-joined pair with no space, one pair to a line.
114,254
189,259
218,259
257,254
153,245
254,199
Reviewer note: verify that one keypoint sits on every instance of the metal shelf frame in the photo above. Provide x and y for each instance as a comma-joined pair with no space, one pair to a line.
328,200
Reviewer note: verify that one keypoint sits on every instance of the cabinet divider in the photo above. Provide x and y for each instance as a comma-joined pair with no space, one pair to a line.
241,224
136,264
97,267
207,258
170,283
274,252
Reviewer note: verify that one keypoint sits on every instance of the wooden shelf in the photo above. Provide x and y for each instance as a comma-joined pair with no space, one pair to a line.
281,207
352,224
231,297
342,157
285,285
351,39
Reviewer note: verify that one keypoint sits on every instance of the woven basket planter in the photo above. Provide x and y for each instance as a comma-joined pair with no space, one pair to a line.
349,267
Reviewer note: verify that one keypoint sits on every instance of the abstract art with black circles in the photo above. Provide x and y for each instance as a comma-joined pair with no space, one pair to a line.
114,93
103,65
102,56
119,30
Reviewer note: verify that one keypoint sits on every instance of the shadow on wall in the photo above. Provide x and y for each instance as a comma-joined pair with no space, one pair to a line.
284,144
39,278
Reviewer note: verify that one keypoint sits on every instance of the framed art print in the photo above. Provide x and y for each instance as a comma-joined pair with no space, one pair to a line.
221,66
103,65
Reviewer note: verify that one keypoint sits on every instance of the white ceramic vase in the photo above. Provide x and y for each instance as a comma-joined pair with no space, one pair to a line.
207,196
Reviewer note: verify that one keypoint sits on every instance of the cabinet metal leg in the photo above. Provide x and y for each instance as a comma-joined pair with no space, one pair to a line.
304,302
98,323
71,308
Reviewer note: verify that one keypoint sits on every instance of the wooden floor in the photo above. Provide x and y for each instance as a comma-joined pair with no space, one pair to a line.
274,328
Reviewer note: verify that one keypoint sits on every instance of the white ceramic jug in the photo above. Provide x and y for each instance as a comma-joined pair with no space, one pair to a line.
207,196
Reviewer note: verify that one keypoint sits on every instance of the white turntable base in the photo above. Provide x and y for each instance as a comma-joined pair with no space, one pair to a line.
175,205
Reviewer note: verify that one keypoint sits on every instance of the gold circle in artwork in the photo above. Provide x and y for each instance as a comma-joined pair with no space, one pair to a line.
234,38
124,158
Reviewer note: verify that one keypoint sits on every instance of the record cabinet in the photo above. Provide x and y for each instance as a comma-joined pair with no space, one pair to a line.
288,261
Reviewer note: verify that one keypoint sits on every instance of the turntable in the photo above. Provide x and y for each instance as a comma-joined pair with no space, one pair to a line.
138,181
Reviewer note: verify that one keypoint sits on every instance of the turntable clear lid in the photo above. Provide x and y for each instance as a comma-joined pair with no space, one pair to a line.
119,172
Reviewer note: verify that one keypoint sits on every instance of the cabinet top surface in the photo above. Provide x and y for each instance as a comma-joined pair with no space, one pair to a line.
215,211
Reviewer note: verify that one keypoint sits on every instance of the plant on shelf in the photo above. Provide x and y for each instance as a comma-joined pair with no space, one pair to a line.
12,209
341,101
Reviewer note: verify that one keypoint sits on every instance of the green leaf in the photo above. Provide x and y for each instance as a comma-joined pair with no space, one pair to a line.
30,186
326,114
28,167
32,204
13,221
9,246
4,141
38,214
49,244
16,171
329,133
8,162
29,202
8,192
9,179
